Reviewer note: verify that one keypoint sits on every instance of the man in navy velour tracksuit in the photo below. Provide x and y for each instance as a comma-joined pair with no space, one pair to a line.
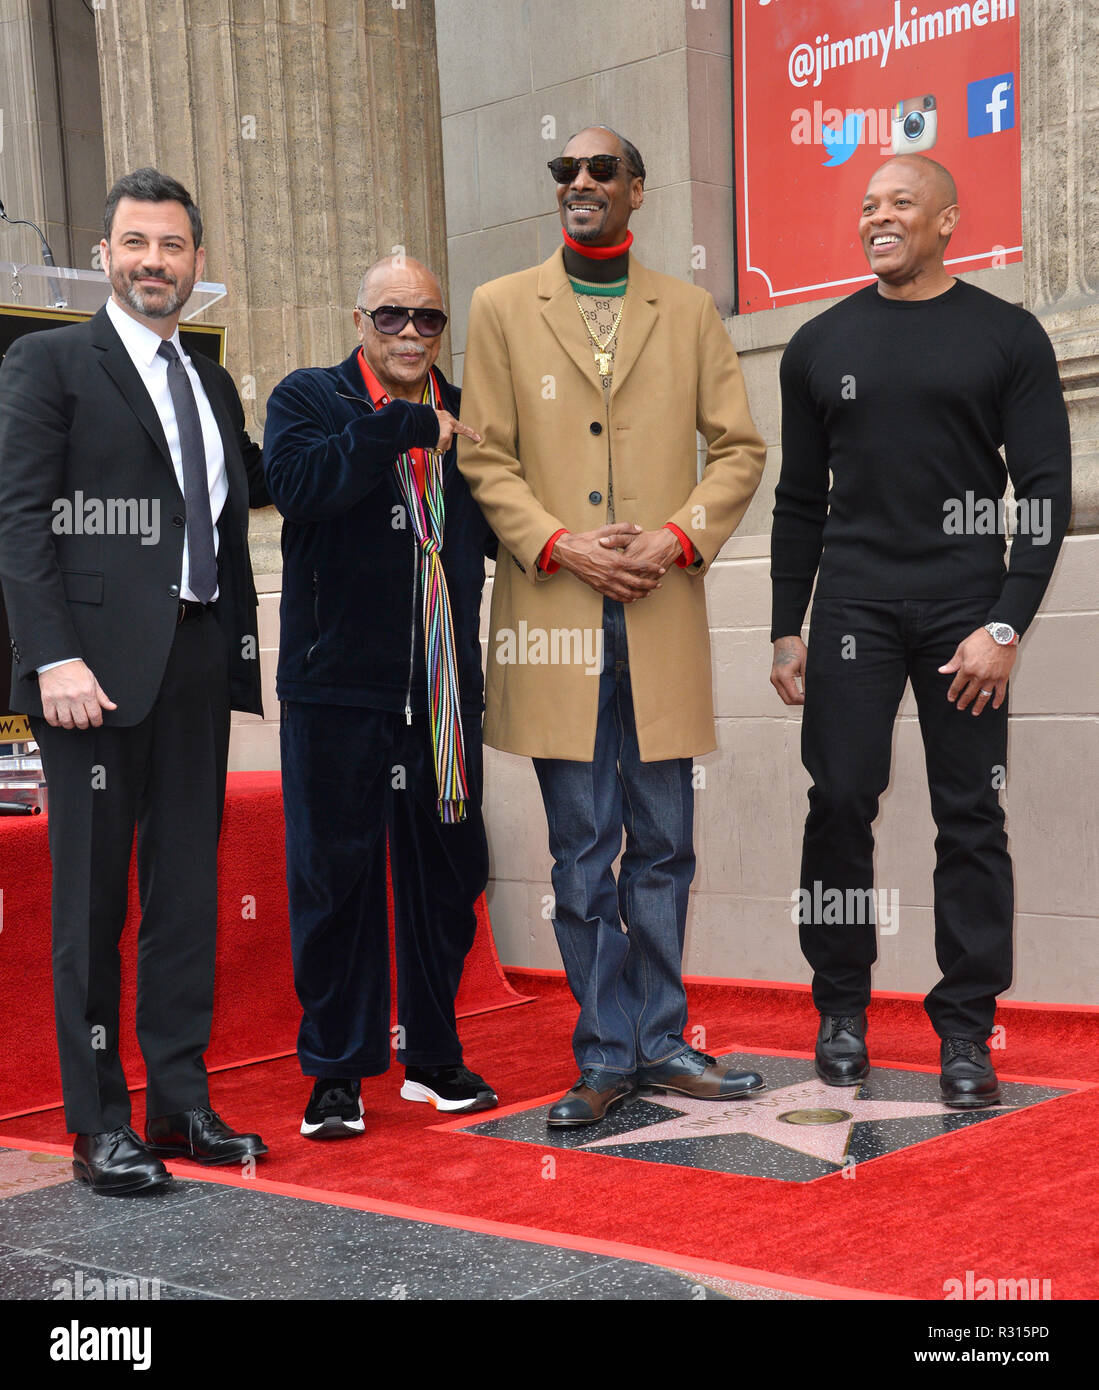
381,727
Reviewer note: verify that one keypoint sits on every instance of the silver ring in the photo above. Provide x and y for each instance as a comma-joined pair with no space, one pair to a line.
986,692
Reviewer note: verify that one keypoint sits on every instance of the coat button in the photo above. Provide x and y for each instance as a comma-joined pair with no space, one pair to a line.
173,589
595,498
595,427
177,521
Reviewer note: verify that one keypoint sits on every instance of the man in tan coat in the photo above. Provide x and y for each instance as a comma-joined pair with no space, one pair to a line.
589,376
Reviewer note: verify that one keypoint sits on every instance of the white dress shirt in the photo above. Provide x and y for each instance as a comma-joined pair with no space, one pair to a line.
142,344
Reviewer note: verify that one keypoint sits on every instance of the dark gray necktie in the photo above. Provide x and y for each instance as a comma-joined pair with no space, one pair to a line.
203,577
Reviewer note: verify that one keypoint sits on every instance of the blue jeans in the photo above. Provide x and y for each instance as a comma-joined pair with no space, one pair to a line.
621,943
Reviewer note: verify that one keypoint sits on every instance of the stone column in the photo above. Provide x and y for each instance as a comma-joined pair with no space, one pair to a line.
1060,109
22,188
309,133
51,149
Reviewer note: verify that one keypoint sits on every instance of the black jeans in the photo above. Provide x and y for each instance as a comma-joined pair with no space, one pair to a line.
351,779
860,655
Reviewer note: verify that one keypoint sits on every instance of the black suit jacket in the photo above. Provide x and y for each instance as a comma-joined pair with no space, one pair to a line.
78,429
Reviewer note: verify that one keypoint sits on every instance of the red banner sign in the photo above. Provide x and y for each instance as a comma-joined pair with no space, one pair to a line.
825,92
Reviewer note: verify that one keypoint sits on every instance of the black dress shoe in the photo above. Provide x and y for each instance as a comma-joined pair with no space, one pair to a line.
699,1075
589,1100
116,1163
968,1080
202,1135
841,1056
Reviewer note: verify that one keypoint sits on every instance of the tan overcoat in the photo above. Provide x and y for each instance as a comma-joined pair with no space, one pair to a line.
531,390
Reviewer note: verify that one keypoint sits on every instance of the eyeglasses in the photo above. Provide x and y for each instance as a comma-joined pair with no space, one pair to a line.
602,167
393,318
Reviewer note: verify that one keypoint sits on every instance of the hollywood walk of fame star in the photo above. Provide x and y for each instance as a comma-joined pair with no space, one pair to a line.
808,1117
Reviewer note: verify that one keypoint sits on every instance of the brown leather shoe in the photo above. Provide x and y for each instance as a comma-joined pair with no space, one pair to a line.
590,1099
699,1075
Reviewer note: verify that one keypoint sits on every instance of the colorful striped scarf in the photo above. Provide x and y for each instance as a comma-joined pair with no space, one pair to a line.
428,516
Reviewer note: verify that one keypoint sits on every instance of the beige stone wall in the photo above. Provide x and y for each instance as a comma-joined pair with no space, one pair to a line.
665,82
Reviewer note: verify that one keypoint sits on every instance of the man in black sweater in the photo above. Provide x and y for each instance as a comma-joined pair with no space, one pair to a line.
904,393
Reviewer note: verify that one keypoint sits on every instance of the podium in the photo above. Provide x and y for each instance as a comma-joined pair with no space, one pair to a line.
34,298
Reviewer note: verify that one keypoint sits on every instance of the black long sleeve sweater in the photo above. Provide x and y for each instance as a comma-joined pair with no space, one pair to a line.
907,403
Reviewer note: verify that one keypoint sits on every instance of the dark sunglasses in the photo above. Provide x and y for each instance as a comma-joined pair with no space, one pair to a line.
602,167
392,318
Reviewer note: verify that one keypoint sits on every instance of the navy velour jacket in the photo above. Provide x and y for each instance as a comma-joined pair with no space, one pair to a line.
352,628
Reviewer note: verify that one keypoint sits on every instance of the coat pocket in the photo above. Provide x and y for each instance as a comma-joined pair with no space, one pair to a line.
82,586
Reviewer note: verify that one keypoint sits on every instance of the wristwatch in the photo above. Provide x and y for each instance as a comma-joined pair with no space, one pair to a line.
1003,634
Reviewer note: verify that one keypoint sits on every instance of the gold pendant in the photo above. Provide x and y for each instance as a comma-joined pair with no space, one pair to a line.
603,363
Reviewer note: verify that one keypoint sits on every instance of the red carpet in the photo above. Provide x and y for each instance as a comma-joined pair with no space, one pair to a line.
1008,1198
256,1012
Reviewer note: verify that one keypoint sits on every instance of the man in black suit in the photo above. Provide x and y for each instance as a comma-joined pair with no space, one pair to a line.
125,481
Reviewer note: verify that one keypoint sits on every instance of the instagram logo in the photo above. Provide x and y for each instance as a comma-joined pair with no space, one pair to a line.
915,125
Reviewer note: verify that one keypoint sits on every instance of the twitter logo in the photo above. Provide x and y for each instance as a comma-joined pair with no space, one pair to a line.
842,143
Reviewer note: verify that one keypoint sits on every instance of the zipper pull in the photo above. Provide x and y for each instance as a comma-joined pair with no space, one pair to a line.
407,713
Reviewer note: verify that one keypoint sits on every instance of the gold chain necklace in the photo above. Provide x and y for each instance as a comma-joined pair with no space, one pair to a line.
602,356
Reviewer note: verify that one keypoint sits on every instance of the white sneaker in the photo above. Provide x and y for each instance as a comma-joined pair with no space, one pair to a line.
448,1088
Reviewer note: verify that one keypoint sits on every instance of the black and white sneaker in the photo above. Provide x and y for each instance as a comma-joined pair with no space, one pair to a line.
448,1088
335,1109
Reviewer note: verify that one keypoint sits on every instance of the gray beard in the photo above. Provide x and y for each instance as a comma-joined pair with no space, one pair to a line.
136,299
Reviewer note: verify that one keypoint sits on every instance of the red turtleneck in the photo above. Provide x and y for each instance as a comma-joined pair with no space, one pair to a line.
598,253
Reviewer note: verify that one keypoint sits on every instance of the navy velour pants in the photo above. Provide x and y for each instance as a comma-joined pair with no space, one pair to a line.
350,778
860,655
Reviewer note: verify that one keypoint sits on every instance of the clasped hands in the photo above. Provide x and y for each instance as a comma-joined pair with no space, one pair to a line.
622,560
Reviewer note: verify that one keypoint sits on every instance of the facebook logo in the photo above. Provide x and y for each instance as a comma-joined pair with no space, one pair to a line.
992,105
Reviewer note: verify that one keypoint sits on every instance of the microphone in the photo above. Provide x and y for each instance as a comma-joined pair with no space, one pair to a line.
60,302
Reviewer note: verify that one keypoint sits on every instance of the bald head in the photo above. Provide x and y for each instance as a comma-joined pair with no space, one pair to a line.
397,269
937,177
